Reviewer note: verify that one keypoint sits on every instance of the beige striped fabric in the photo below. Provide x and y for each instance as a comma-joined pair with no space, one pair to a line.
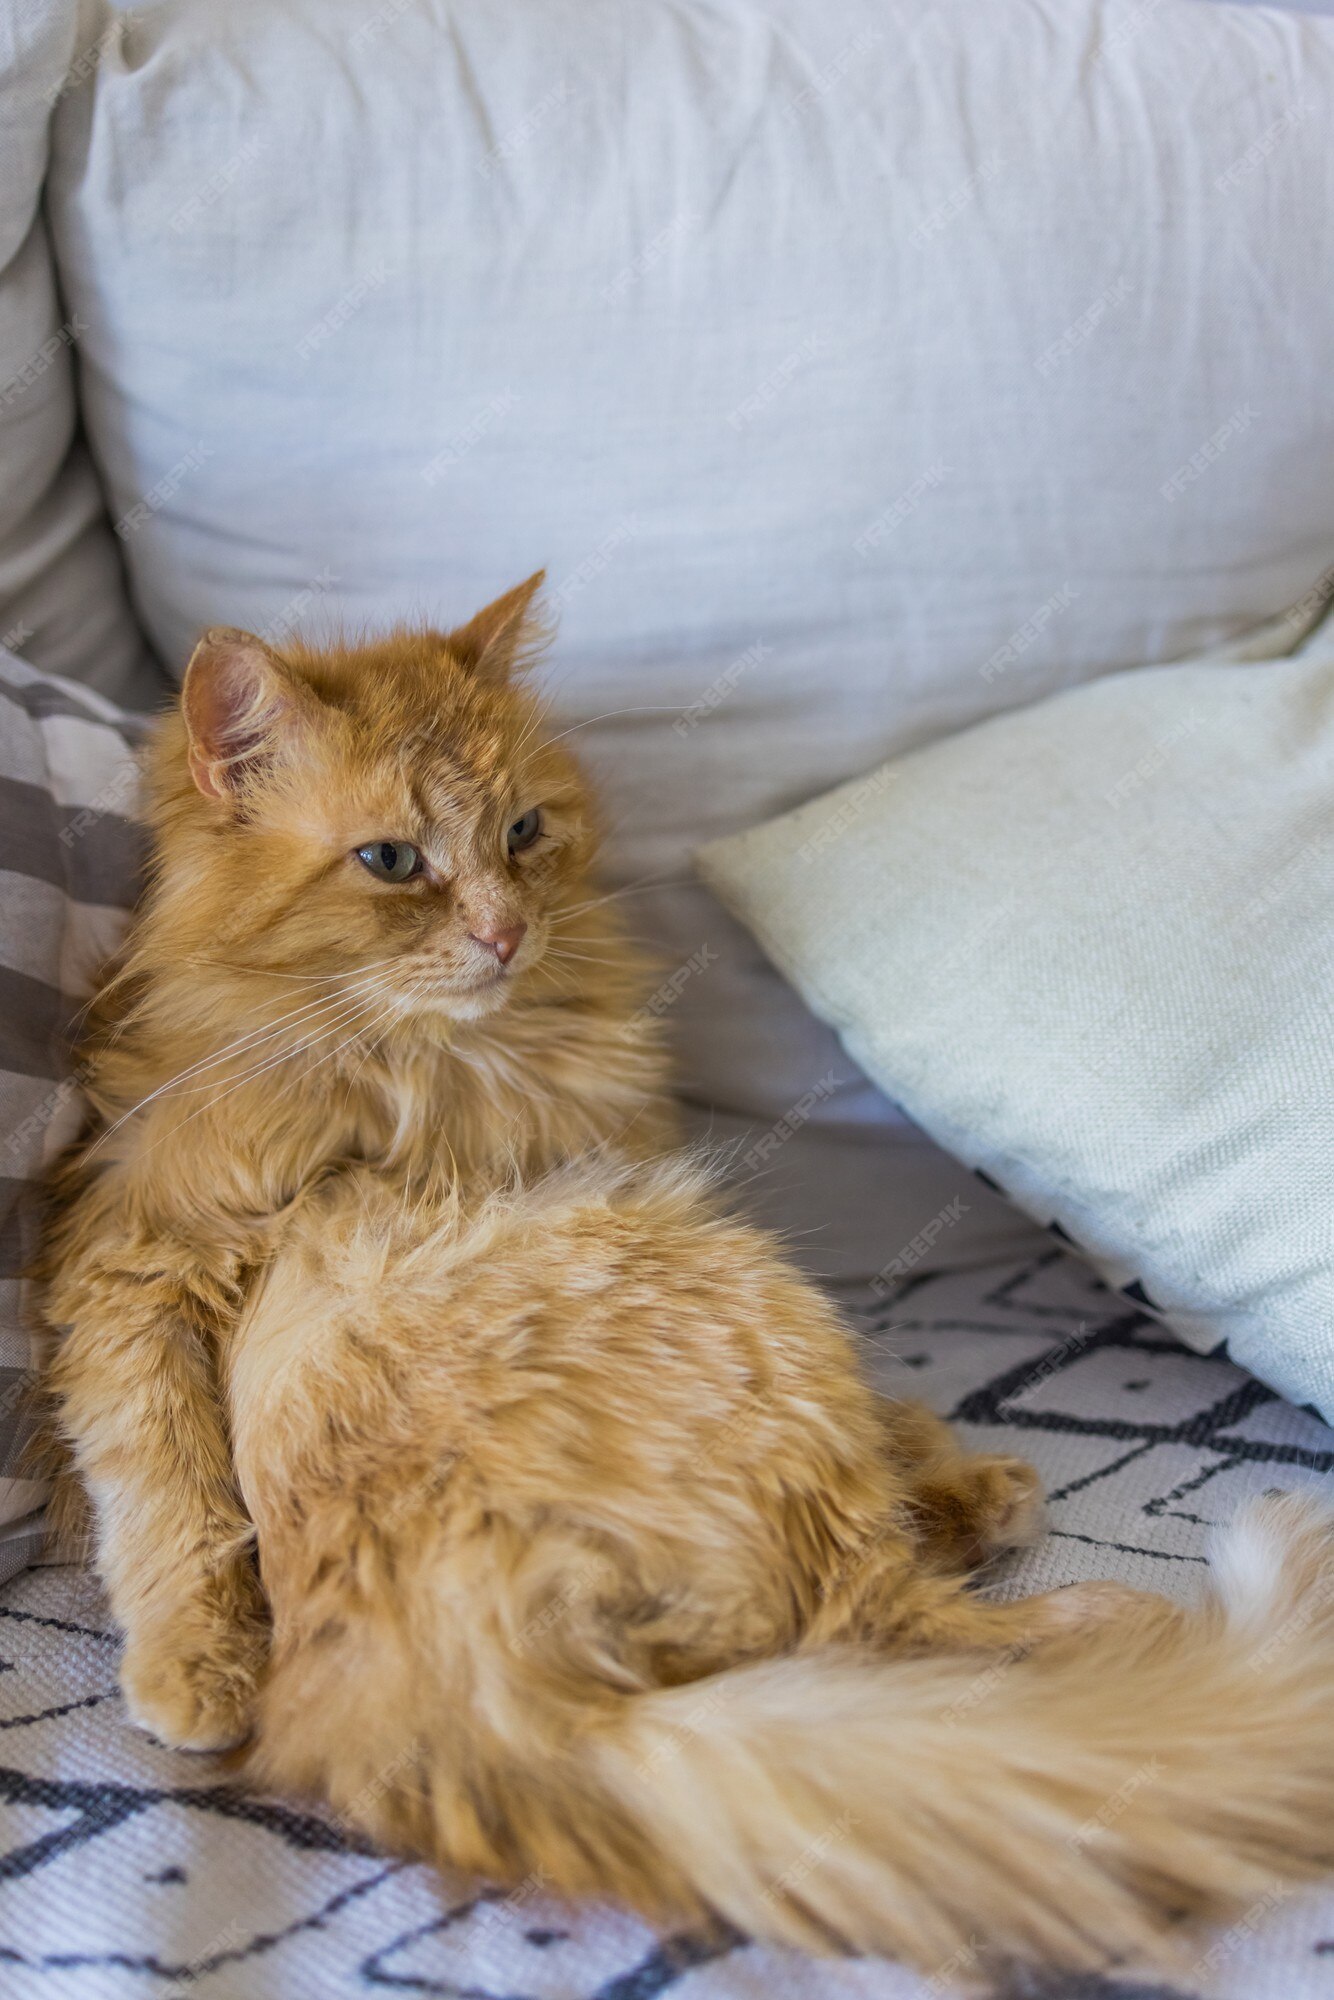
70,858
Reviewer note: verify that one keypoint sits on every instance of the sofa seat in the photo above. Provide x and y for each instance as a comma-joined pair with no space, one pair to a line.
128,1872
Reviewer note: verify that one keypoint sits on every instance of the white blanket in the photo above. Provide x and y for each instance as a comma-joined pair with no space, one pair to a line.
130,1873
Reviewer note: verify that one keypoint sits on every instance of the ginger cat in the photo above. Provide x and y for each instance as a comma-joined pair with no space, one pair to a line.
444,1440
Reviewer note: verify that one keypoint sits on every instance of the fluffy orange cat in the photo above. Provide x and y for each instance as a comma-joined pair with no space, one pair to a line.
443,1439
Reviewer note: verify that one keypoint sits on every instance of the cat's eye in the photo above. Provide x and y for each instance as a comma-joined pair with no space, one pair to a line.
390,860
523,832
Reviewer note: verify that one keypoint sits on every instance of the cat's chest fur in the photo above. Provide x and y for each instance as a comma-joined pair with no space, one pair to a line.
482,1108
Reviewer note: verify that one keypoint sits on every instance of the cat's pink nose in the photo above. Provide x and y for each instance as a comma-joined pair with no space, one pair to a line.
503,942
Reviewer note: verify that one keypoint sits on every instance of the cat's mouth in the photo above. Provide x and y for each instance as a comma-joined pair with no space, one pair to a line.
468,991
484,993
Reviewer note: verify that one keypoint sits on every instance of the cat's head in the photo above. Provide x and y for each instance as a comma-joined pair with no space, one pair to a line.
388,817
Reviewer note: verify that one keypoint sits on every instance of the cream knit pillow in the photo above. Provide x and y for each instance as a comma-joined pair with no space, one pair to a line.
1090,947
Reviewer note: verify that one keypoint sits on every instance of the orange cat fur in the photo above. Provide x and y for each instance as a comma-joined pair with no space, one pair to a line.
588,1555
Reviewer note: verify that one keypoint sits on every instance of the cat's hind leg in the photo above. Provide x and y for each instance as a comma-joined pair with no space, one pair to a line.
965,1507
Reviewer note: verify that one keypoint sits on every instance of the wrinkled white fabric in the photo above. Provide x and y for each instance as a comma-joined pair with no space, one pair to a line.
62,599
834,356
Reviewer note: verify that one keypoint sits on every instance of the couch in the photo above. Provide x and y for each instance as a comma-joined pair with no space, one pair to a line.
857,371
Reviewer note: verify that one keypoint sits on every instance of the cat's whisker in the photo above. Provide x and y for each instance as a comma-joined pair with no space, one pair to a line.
370,1051
275,1062
616,895
303,1010
346,1012
306,1011
580,959
589,957
598,936
414,991
609,714
567,982
292,978
541,710
351,981
394,1009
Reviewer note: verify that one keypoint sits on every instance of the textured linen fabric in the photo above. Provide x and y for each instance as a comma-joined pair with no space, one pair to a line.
69,861
62,596
1090,946
857,367
127,1873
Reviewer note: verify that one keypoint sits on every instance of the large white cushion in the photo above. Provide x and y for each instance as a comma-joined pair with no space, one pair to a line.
62,595
857,369
1091,947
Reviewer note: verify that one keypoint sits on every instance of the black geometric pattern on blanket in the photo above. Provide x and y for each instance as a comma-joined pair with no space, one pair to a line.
127,1872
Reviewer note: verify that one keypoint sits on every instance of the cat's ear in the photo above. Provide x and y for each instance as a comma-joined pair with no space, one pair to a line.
241,708
504,637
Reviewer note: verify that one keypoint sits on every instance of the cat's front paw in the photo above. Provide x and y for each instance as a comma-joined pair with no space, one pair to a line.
198,1696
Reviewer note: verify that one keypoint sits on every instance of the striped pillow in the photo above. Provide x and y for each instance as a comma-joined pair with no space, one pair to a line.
69,867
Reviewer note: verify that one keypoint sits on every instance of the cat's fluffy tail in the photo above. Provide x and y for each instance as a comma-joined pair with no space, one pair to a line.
1069,1806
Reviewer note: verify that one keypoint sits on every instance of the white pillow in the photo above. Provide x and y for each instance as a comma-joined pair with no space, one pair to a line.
1090,946
62,593
856,371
